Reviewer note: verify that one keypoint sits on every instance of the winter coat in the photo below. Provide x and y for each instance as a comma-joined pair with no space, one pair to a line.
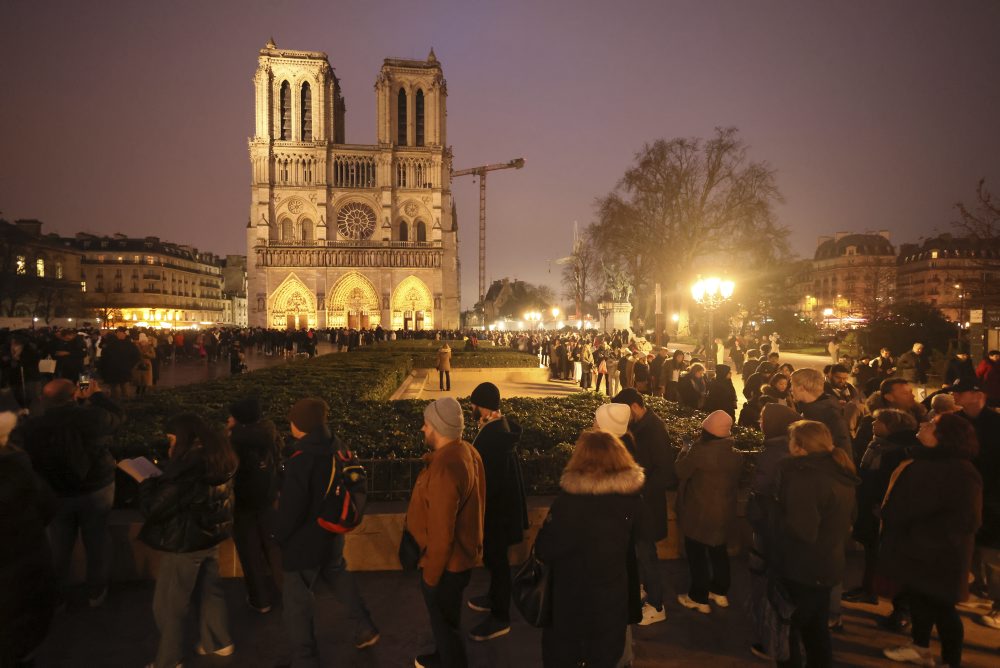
987,426
667,378
257,482
879,461
118,360
655,453
988,372
27,578
865,433
185,510
588,542
68,445
692,391
506,515
444,359
815,513
827,410
142,375
304,543
709,473
721,397
957,370
930,518
913,367
446,511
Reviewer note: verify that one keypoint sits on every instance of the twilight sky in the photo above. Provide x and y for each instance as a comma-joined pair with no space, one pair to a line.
124,116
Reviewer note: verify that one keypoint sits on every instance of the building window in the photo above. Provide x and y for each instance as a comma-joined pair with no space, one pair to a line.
307,112
286,111
22,266
404,232
59,270
421,232
40,268
286,230
420,118
307,230
401,118
83,286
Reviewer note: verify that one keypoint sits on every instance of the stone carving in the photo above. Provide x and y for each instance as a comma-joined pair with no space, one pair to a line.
356,221
411,209
295,206
617,283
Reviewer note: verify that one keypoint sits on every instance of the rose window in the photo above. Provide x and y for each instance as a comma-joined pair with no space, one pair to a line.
356,221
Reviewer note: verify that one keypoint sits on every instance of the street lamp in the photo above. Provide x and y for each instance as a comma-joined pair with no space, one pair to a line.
711,293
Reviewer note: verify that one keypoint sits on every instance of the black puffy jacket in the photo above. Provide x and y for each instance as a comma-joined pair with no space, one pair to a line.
257,481
185,511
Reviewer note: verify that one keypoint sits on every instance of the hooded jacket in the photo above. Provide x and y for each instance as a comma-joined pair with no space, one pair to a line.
721,393
655,454
709,474
816,510
879,461
258,446
588,542
186,510
506,515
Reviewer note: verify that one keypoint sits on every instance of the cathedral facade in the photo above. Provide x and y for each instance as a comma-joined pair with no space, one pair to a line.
350,235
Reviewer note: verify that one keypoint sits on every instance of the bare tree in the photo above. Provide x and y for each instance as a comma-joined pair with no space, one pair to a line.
579,271
981,222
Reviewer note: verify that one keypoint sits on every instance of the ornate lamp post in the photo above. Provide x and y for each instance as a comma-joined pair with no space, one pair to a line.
710,294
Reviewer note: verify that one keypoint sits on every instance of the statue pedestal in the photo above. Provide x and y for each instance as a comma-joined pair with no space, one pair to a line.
615,315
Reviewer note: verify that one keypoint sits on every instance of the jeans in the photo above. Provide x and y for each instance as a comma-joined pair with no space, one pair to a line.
444,607
250,537
926,613
299,601
87,515
443,378
709,565
179,575
810,626
649,572
607,387
497,562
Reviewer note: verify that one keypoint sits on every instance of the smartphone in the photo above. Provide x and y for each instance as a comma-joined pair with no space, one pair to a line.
84,382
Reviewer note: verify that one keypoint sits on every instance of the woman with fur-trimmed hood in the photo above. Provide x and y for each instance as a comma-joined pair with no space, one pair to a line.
588,541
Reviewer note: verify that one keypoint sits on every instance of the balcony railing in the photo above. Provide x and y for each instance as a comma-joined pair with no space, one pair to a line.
353,243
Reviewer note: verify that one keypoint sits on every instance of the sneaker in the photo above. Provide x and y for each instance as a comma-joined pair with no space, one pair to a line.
859,595
489,629
481,603
688,602
991,619
427,661
224,651
264,610
896,622
98,601
758,651
651,614
719,600
367,639
910,654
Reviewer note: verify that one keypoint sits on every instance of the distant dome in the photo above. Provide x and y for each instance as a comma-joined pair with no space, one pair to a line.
864,244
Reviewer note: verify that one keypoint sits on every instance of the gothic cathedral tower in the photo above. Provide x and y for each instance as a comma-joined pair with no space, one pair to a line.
350,235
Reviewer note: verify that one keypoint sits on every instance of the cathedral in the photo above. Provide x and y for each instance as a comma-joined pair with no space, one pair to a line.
350,235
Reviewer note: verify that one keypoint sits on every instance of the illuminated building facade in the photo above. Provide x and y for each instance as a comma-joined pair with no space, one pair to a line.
852,278
346,235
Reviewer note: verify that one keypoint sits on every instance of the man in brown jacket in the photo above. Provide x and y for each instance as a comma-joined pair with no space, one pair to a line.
445,517
444,368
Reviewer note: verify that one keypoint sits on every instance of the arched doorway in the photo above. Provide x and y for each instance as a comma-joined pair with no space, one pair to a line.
412,305
353,303
292,305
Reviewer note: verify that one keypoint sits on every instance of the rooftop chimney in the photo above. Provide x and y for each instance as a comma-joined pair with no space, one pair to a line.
29,226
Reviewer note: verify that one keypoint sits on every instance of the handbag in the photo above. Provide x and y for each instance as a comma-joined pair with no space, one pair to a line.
409,551
47,365
531,591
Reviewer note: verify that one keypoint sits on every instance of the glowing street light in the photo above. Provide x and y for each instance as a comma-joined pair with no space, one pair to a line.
711,293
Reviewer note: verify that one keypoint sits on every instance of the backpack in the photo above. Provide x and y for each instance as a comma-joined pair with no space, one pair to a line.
343,505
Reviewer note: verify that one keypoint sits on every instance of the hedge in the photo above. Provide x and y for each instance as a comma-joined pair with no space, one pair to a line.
357,386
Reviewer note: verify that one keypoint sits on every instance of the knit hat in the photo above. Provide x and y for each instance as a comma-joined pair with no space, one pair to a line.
308,414
486,395
613,418
718,423
246,411
775,419
445,416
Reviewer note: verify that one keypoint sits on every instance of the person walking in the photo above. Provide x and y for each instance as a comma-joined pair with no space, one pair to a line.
815,509
587,543
445,517
444,368
258,446
930,515
188,513
68,445
506,514
312,558
709,472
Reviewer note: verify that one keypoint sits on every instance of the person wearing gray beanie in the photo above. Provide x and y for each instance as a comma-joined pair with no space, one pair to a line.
445,417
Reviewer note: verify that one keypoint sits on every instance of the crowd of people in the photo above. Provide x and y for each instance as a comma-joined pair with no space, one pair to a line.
918,486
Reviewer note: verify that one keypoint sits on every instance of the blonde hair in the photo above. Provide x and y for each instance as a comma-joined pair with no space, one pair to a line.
815,437
810,380
599,453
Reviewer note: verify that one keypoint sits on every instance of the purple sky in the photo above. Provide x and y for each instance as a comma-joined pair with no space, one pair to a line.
133,116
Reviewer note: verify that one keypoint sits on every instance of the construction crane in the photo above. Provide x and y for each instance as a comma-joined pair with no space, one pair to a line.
480,172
